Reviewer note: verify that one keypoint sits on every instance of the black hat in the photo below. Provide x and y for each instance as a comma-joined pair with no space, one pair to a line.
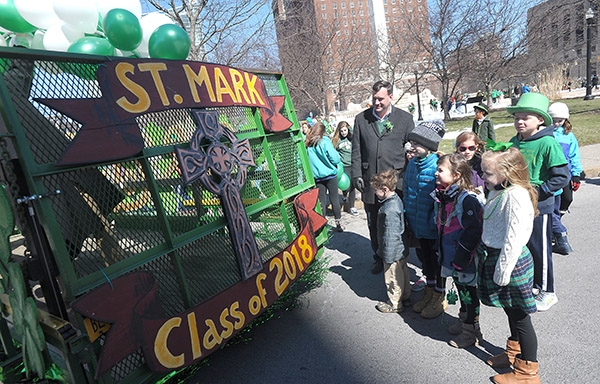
428,134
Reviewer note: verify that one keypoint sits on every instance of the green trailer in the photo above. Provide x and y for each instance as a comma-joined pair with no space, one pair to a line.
163,206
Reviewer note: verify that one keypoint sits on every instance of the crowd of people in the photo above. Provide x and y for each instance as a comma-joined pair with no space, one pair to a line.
487,216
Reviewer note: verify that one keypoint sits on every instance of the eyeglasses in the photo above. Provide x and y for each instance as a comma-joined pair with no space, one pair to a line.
471,148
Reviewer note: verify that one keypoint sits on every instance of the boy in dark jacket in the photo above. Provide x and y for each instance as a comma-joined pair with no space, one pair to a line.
390,227
549,173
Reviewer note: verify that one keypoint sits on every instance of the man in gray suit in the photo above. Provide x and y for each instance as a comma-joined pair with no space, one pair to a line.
379,135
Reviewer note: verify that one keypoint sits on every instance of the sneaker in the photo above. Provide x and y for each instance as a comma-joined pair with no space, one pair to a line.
545,300
354,211
388,308
419,285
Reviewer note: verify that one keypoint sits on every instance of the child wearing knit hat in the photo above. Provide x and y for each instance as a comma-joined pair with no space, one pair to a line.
419,184
567,140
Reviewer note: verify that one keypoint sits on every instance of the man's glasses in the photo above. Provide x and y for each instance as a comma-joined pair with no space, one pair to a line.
471,148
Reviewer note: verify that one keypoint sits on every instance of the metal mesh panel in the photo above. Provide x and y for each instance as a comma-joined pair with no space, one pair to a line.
259,181
210,265
169,287
238,119
271,82
287,161
270,232
128,365
171,127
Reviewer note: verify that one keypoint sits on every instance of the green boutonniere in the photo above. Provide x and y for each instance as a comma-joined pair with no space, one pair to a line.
388,125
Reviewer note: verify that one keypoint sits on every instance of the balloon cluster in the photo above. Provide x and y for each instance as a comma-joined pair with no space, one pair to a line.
343,179
99,27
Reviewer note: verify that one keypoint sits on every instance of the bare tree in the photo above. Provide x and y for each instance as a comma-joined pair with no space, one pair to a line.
227,32
451,35
300,52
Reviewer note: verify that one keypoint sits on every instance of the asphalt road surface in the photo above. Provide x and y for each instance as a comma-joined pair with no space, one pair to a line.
337,335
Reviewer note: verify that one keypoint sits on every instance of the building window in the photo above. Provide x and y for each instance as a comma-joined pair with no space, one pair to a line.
343,4
324,16
393,10
334,5
335,15
384,2
393,1
352,4
345,23
323,6
360,3
344,14
347,33
361,13
363,31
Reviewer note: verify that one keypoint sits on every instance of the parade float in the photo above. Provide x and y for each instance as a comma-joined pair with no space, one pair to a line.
163,204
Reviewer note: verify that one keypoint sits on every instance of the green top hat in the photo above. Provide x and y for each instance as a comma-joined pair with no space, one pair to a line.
534,103
483,107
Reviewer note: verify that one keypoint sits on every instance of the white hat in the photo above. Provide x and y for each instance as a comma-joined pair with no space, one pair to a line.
559,111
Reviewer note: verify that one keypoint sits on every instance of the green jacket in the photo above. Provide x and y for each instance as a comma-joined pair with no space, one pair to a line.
485,130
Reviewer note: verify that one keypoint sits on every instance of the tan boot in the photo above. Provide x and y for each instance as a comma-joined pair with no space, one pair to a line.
470,335
421,304
526,372
436,306
506,358
456,328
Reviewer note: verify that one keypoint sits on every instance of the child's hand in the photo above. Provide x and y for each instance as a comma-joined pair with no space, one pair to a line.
576,181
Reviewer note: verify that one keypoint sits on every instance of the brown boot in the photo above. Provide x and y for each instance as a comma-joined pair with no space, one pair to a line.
456,328
421,304
470,335
436,306
526,372
506,358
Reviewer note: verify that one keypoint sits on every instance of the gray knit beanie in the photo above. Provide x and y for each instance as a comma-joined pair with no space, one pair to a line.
428,134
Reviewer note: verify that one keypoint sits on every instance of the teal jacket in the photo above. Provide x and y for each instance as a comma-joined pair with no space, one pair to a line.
323,159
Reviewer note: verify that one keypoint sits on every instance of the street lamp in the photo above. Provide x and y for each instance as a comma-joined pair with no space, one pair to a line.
420,116
589,18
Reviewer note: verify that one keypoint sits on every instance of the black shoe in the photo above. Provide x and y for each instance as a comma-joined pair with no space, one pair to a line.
377,267
406,302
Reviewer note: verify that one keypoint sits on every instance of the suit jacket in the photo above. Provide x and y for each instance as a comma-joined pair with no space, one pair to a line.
374,152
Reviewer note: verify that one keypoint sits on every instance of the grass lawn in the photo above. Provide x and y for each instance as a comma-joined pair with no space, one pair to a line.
585,117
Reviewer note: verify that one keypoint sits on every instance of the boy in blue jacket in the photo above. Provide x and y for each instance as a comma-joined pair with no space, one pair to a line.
419,193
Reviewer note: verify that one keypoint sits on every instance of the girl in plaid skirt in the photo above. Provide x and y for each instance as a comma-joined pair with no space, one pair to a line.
506,266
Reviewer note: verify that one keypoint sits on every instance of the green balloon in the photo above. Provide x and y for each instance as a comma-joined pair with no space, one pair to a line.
344,182
340,170
122,29
11,19
169,41
92,46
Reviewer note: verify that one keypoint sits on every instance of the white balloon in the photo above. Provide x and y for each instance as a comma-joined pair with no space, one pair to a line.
39,13
60,36
150,23
133,6
38,40
81,15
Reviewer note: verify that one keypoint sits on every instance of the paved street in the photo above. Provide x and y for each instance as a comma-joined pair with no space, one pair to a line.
337,336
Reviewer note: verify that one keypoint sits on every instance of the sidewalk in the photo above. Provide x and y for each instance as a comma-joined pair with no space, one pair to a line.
590,159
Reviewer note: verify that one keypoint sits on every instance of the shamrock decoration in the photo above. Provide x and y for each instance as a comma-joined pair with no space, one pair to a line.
466,298
452,297
497,146
388,125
